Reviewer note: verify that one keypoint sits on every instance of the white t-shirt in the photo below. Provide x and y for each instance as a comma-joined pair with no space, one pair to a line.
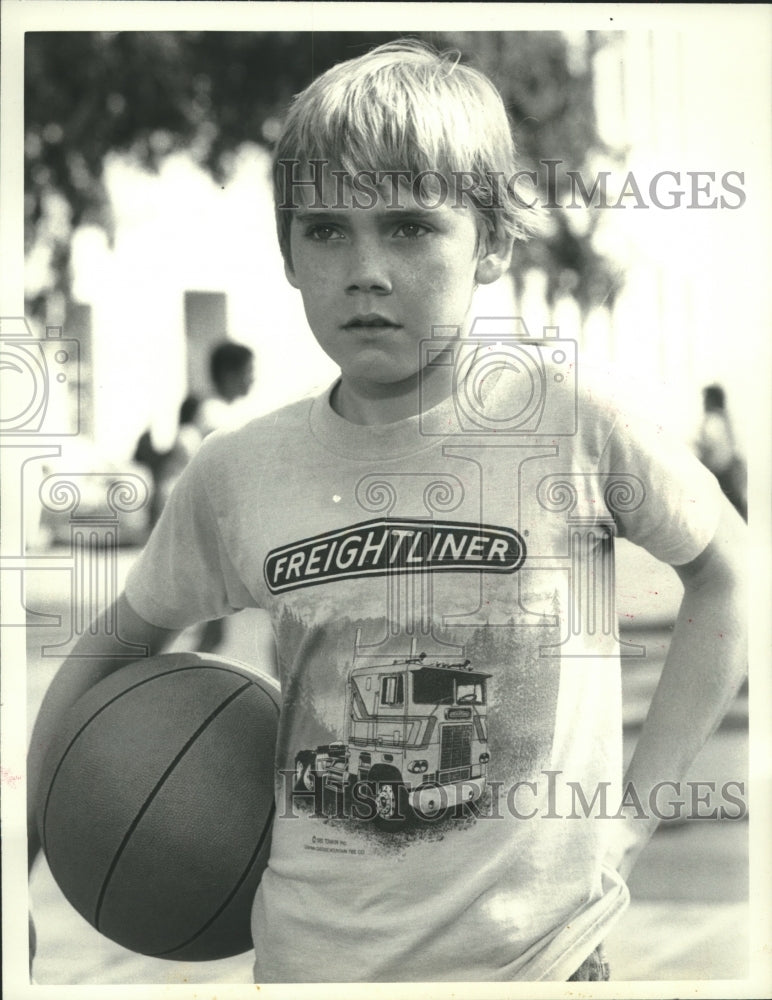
441,591
216,414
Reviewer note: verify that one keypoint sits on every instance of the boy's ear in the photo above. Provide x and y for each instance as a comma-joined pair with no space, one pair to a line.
494,259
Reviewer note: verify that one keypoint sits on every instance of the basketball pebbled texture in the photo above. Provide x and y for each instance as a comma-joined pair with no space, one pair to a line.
156,803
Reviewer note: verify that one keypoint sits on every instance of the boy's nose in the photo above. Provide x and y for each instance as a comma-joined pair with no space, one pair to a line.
368,272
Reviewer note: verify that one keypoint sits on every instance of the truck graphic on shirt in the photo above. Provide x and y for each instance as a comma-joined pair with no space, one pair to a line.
415,742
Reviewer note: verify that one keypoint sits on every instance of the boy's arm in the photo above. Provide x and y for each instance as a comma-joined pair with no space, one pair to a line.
705,664
77,674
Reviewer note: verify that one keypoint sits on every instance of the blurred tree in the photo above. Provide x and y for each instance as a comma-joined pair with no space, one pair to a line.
148,94
546,81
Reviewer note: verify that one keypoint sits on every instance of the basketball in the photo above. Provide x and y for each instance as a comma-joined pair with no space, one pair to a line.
156,804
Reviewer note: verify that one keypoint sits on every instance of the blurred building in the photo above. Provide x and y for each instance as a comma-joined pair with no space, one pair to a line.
690,109
191,263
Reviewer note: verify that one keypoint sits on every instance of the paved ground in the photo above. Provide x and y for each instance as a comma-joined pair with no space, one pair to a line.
689,917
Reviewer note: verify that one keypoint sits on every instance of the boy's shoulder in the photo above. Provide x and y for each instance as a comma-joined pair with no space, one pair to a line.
549,395
262,443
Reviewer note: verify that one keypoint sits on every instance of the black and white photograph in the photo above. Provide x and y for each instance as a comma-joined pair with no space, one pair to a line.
385,438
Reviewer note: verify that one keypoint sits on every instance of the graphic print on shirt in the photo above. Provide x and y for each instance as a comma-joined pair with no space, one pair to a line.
422,742
415,742
394,713
437,571
389,546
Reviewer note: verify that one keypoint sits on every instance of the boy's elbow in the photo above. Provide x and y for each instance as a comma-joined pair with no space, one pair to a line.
723,564
134,628
117,631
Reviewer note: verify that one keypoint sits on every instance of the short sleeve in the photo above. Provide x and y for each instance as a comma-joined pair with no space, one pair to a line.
677,507
184,574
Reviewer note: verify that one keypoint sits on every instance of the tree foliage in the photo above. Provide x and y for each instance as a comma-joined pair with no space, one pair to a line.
148,94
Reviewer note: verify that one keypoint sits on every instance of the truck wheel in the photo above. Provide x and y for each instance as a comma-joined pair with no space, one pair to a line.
391,805
305,778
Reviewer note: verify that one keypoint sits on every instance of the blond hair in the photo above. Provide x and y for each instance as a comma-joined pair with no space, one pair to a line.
404,106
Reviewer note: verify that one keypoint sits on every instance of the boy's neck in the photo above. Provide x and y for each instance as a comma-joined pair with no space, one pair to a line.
364,402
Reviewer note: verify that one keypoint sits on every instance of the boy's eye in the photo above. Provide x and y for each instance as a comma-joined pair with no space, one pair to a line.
323,234
412,230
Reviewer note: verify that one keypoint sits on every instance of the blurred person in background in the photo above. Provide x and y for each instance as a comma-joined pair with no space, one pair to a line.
151,458
186,444
717,449
232,370
165,467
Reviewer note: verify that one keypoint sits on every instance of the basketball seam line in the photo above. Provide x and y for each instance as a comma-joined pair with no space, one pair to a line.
87,723
266,830
159,784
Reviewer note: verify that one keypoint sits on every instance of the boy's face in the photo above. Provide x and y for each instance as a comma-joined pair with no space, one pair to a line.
376,280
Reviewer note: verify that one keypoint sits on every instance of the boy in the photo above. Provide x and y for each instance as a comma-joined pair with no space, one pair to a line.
432,537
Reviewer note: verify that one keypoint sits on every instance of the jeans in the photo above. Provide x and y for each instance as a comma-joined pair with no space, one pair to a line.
594,969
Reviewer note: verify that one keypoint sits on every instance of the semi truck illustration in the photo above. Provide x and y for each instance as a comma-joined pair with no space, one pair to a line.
415,741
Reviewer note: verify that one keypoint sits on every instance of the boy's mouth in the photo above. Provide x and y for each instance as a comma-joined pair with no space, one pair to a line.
370,321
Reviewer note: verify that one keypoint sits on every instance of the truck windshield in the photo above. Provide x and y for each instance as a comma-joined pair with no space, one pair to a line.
434,687
470,693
